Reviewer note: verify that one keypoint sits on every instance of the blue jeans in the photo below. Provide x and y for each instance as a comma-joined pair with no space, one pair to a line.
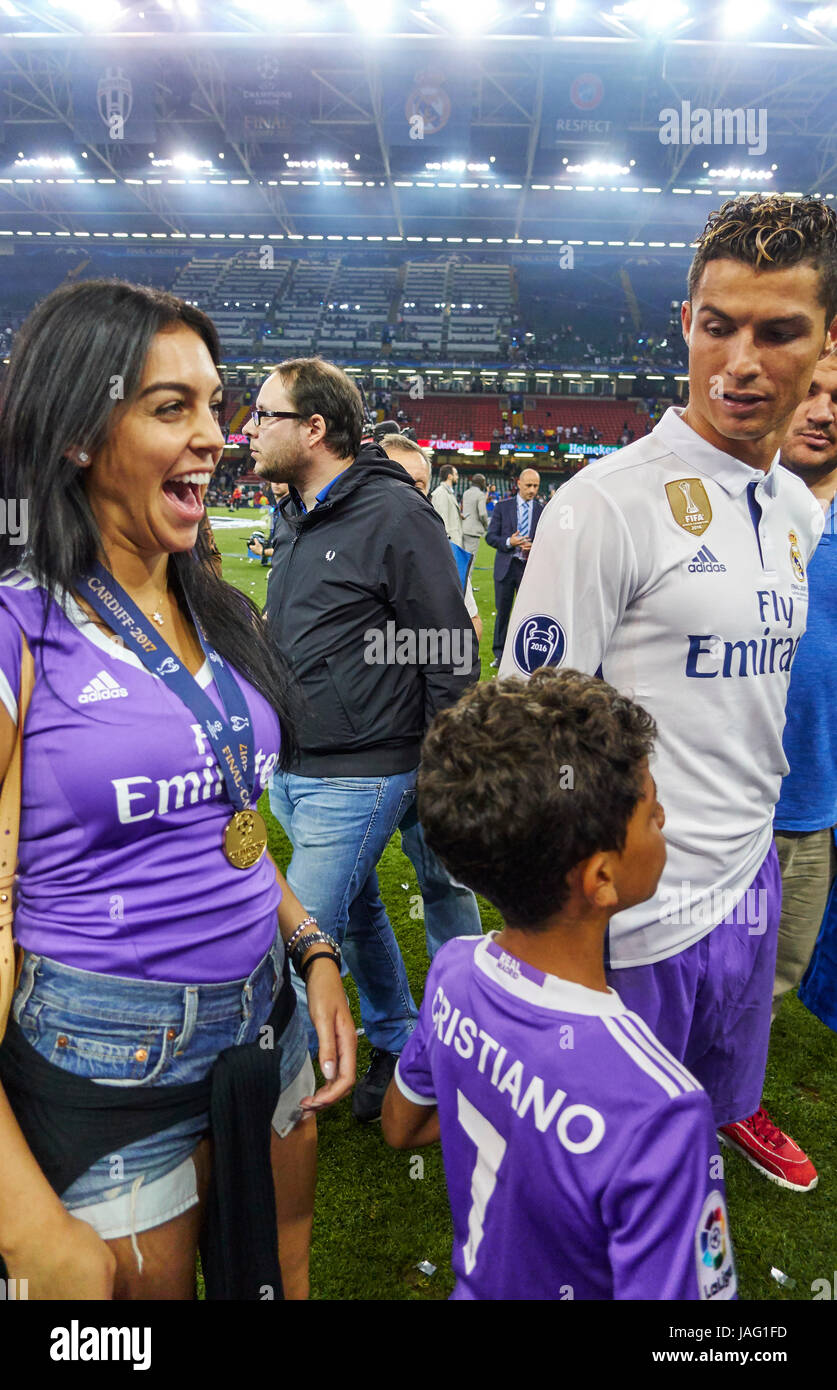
126,1033
450,909
339,828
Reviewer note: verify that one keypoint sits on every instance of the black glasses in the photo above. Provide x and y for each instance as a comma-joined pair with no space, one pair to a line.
257,416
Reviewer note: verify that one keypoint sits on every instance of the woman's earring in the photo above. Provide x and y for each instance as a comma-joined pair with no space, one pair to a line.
82,458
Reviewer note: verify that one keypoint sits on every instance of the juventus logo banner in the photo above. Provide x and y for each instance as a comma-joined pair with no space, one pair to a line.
113,100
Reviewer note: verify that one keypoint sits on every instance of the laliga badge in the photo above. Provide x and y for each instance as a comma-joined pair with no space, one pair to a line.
713,1251
689,505
539,641
796,557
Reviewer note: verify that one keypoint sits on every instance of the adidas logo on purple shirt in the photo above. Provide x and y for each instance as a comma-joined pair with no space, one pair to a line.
102,687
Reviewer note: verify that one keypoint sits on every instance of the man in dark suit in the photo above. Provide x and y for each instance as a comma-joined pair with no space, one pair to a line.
511,532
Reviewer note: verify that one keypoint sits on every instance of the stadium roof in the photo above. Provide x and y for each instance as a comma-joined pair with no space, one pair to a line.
481,125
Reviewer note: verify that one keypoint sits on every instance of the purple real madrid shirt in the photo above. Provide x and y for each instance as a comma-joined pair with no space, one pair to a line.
581,1158
121,862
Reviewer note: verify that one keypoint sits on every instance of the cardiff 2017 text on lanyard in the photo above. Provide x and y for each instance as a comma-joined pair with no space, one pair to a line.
231,737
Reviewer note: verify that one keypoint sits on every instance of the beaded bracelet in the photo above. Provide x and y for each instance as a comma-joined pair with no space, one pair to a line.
316,938
306,922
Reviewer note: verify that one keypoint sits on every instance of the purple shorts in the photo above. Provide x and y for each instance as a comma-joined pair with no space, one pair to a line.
710,1004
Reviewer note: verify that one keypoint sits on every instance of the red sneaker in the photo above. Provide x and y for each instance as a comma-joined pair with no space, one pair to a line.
774,1154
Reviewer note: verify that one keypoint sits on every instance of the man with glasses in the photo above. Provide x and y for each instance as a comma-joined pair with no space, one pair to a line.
362,577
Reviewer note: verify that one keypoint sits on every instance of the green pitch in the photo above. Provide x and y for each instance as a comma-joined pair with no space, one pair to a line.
379,1212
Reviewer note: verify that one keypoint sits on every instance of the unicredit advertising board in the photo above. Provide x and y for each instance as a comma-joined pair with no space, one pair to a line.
457,446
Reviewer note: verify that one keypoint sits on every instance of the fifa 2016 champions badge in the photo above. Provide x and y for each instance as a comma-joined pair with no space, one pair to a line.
689,504
796,557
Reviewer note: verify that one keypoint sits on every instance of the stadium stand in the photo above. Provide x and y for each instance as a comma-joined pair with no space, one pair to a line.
421,323
240,293
481,309
361,300
476,417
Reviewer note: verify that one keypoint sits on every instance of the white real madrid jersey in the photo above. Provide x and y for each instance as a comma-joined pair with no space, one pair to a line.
679,573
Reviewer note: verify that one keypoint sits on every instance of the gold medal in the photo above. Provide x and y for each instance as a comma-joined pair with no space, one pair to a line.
245,839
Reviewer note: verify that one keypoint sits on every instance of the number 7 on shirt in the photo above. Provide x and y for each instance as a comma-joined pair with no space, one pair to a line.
491,1148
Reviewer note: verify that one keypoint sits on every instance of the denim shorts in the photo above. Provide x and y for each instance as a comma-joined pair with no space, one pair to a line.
124,1033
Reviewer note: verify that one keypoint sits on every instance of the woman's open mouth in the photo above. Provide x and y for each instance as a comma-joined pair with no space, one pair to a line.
186,494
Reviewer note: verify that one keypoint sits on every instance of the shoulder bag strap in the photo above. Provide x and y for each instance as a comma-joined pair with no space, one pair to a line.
9,832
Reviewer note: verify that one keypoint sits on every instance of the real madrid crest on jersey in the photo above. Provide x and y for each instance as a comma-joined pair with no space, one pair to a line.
689,505
796,557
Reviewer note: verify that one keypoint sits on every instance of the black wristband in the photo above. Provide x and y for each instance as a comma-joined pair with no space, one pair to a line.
318,955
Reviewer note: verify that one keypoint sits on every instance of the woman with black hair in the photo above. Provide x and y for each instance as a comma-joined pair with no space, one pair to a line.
153,1012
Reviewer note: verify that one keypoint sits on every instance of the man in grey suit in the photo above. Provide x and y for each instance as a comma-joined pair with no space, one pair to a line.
474,514
444,500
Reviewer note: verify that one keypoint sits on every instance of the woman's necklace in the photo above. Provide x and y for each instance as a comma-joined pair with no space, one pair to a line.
157,615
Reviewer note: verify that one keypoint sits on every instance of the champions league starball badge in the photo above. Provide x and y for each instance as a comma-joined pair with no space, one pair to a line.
539,641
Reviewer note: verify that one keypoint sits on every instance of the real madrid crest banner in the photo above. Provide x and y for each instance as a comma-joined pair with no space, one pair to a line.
113,99
428,103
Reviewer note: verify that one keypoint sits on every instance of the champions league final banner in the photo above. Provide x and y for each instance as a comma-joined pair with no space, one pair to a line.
266,99
113,99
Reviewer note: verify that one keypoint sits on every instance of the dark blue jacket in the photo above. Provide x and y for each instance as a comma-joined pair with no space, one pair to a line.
503,524
371,558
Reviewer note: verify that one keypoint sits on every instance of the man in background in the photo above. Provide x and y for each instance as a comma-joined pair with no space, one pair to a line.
474,514
450,909
511,532
414,461
444,500
806,813
359,556
278,491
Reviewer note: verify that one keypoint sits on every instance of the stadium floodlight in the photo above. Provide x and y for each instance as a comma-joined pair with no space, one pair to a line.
93,12
564,9
654,14
373,15
182,161
64,161
466,15
595,169
289,16
734,172
824,16
738,17
13,12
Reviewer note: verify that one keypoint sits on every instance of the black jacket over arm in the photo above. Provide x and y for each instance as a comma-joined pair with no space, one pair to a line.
372,558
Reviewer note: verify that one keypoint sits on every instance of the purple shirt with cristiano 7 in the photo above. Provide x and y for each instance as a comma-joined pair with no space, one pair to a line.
121,862
581,1158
